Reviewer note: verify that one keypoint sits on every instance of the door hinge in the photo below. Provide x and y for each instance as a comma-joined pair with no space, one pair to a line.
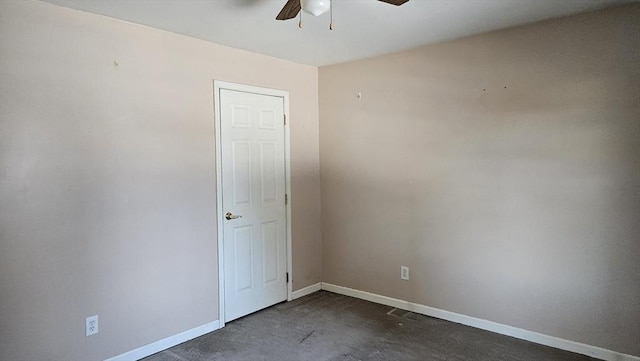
286,199
287,277
285,119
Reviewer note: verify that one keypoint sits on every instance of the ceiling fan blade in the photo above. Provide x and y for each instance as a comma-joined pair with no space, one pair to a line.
394,2
290,10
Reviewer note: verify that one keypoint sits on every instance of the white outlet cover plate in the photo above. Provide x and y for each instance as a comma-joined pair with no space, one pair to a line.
92,325
404,273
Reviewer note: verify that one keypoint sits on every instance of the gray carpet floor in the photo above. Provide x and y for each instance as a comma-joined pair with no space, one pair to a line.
328,326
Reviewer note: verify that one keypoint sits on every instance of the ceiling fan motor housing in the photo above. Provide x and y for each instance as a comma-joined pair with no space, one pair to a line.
315,7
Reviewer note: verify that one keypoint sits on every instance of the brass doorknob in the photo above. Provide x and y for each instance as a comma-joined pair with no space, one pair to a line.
230,216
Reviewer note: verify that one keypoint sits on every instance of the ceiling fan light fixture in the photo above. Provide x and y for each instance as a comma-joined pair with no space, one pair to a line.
315,7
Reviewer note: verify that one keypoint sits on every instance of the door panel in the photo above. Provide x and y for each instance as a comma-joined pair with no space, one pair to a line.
243,251
253,188
241,172
268,174
270,251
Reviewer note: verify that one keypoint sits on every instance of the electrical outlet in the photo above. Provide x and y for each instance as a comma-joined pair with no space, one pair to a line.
404,273
92,325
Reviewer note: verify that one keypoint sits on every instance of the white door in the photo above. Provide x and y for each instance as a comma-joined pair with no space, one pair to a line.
253,201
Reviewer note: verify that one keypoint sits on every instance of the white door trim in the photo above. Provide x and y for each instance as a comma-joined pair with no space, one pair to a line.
217,86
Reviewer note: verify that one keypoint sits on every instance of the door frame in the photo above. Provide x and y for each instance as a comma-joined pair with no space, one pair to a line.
219,85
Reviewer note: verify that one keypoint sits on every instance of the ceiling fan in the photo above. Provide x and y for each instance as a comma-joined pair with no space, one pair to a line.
315,8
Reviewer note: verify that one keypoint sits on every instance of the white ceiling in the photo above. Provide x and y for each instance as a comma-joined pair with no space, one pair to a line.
362,28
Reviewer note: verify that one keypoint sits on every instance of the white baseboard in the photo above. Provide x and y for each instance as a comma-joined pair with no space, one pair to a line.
171,341
306,290
160,345
572,346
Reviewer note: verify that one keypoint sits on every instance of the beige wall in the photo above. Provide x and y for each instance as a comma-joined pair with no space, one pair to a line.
504,169
108,183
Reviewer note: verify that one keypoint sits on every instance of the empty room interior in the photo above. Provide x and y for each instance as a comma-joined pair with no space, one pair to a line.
362,179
